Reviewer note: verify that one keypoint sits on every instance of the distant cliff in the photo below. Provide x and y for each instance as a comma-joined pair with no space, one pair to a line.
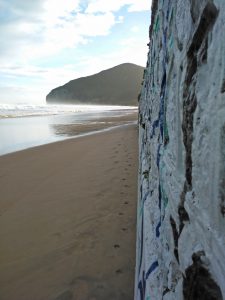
181,208
119,85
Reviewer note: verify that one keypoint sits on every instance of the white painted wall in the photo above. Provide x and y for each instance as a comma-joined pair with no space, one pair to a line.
181,210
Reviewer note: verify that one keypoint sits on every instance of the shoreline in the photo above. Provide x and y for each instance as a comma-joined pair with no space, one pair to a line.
79,135
64,131
68,218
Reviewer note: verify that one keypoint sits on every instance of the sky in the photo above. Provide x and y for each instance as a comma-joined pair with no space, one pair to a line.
46,43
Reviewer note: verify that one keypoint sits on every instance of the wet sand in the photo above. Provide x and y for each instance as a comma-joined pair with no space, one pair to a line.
70,130
68,219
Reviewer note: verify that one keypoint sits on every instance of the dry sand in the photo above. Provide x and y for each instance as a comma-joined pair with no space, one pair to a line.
68,218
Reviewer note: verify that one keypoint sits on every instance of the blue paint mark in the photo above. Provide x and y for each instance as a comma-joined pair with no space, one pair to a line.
157,229
141,290
142,240
142,286
164,48
153,266
158,156
168,10
161,116
143,201
154,126
167,15
161,111
160,197
145,196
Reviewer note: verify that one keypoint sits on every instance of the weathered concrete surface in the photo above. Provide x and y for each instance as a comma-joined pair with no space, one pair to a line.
181,211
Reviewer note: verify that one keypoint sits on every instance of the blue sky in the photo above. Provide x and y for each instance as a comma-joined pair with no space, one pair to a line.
46,43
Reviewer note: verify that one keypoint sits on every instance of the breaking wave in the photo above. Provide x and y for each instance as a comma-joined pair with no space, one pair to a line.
23,110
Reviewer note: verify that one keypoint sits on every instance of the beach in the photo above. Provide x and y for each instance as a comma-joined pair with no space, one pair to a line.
68,218
22,132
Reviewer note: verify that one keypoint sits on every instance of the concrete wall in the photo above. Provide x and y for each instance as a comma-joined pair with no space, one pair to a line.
181,209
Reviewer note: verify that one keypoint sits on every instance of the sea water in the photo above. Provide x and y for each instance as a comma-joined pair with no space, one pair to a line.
25,126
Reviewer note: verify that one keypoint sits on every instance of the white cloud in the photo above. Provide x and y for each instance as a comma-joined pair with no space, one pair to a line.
95,6
94,25
57,25
56,9
120,19
140,5
42,28
69,34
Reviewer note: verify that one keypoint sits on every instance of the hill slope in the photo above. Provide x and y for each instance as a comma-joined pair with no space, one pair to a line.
119,85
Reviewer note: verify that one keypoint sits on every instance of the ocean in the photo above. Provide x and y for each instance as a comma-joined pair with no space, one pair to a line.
23,126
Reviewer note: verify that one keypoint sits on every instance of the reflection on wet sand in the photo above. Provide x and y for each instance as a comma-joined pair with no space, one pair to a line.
97,124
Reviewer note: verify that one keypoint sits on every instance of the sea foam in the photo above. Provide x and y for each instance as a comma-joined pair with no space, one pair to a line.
23,110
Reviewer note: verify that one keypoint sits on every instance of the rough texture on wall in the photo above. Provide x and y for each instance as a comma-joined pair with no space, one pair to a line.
181,209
